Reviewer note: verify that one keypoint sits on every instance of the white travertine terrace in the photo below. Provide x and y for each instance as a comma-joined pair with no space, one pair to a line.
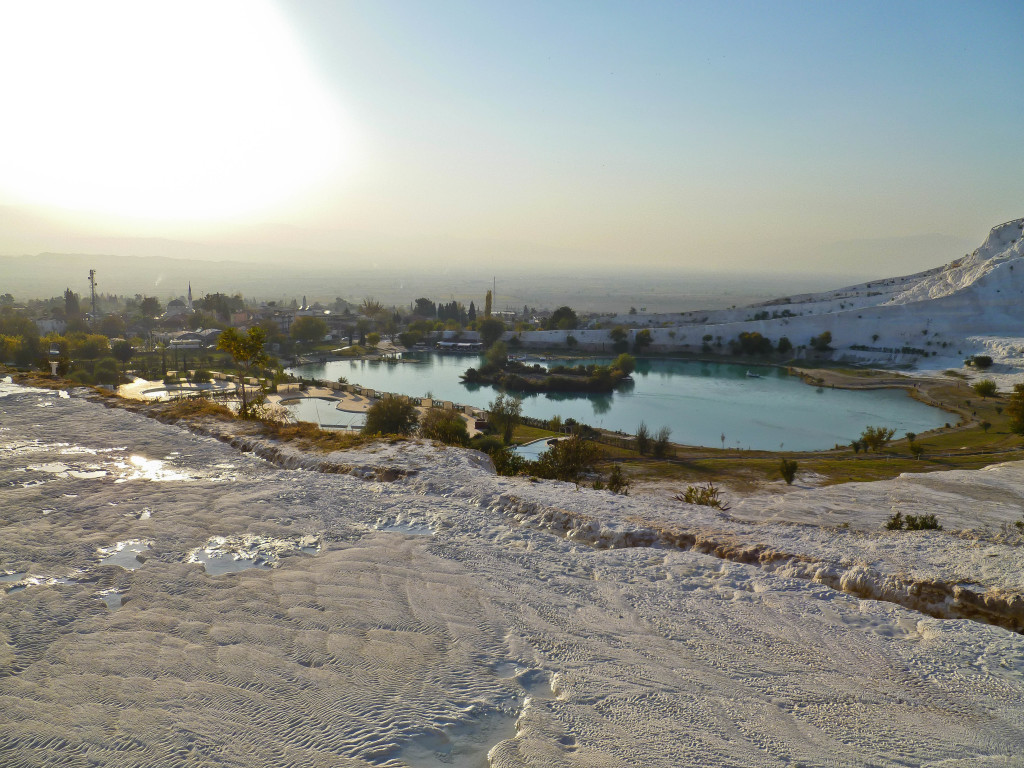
534,626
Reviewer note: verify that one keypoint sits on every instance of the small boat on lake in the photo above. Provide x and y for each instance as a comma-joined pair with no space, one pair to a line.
752,375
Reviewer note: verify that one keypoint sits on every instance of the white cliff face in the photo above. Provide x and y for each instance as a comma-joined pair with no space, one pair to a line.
932,319
410,608
1003,246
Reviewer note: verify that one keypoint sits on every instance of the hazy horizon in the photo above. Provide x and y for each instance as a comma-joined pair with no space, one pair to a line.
830,140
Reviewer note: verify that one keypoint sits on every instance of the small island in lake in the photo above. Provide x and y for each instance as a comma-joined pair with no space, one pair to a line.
518,376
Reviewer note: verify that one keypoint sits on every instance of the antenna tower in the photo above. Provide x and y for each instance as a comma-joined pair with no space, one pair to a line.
92,290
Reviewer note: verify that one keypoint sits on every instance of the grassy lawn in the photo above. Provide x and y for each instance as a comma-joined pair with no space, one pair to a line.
525,434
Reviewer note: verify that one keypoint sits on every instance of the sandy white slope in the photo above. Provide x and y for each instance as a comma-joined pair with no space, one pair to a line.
932,320
451,617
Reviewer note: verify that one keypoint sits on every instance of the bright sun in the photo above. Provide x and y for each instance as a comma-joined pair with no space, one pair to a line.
160,110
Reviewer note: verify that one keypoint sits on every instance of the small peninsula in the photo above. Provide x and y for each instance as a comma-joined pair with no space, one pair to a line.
517,376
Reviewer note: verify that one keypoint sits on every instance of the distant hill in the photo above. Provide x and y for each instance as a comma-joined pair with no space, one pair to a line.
974,304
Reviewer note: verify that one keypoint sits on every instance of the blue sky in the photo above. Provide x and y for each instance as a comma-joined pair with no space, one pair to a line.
672,135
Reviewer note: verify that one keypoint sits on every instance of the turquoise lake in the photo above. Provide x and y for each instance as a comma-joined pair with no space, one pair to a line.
700,402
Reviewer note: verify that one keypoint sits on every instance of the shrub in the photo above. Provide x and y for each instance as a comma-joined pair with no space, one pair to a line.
643,439
567,460
875,438
787,468
625,363
1015,409
391,415
504,414
618,482
923,523
822,343
202,376
81,376
106,371
446,427
916,450
703,495
980,361
661,445
620,338
985,387
506,461
410,338
895,523
912,523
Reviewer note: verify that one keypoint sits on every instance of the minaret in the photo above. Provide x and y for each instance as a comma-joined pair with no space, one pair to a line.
188,304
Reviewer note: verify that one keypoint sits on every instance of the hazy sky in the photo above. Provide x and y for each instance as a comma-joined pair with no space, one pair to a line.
746,135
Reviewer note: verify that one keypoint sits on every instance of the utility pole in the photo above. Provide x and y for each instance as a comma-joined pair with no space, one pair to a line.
92,289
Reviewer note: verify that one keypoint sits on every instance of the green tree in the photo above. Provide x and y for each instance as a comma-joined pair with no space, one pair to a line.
875,438
985,388
425,308
247,351
625,363
410,338
105,371
1015,409
787,468
823,342
373,339
752,343
490,329
371,308
391,415
660,447
150,307
122,352
568,460
445,426
617,481
785,345
620,338
504,414
308,329
497,356
72,309
487,304
112,325
88,346
641,341
562,319
643,439
9,346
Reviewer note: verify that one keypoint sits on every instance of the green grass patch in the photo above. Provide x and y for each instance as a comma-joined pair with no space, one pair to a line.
525,434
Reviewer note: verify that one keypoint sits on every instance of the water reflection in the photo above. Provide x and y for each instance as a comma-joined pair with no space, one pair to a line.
697,400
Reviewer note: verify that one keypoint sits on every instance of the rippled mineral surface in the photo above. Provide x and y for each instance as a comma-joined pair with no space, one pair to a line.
169,600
